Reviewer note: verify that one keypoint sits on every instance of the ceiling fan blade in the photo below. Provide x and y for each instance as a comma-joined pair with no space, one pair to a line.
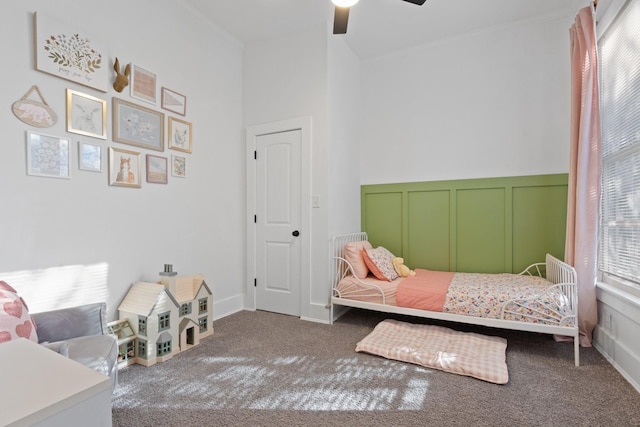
418,2
340,19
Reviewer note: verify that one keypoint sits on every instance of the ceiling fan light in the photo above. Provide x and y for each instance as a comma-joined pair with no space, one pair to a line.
344,3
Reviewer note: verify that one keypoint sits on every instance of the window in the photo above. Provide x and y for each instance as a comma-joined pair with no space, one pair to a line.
142,326
163,348
164,321
202,305
142,349
202,323
127,351
619,251
185,309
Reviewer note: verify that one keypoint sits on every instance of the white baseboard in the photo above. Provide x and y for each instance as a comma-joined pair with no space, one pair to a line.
316,313
222,308
228,306
615,335
622,353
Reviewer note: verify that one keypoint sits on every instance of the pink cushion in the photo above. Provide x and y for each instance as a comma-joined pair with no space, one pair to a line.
353,254
380,262
15,321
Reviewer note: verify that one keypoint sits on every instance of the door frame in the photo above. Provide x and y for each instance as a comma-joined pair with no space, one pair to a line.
252,133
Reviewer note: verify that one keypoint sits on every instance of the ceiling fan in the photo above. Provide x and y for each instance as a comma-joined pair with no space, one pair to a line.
341,15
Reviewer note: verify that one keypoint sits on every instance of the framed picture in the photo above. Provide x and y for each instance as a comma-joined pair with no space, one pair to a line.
124,168
178,166
173,101
89,157
34,113
47,156
69,53
137,125
156,169
143,84
86,115
179,135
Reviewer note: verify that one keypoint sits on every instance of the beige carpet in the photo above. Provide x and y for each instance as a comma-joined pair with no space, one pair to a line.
265,369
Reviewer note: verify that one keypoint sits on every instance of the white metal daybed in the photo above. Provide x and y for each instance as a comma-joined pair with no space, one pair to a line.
522,313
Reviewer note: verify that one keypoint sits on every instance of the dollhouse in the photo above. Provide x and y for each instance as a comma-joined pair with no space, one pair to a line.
162,319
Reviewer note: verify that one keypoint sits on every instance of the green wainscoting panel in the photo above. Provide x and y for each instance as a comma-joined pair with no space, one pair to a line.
384,218
539,216
477,225
480,230
429,221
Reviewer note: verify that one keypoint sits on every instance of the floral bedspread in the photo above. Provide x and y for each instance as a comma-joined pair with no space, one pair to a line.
483,295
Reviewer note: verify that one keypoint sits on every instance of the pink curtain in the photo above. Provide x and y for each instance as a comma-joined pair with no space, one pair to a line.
584,174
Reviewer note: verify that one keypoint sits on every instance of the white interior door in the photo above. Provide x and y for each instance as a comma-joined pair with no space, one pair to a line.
278,220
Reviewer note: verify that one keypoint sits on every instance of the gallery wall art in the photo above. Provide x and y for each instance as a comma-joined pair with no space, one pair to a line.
68,52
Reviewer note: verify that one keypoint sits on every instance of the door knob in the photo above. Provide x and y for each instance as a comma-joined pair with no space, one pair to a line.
296,233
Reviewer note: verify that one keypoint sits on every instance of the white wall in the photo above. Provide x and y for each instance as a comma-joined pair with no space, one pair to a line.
285,78
492,103
71,241
345,118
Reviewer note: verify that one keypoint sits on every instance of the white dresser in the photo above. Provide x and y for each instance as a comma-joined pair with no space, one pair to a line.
42,388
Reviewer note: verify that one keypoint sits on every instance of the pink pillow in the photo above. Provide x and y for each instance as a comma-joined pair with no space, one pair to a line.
380,262
353,254
15,321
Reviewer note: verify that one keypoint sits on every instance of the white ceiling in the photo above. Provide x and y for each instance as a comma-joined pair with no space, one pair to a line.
376,27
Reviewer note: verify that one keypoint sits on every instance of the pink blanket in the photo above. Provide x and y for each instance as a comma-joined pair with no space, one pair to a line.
427,290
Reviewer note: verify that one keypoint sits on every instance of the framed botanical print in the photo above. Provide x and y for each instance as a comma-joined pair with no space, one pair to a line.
180,137
178,166
68,52
137,125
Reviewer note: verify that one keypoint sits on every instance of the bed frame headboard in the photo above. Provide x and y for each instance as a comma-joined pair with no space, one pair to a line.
337,249
339,269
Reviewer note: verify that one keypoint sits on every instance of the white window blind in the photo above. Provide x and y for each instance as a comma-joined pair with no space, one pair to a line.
620,114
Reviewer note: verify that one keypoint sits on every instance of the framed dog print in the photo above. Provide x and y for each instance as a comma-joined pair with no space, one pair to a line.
124,168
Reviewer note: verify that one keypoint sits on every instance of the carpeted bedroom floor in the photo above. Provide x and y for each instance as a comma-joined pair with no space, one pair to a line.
266,369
